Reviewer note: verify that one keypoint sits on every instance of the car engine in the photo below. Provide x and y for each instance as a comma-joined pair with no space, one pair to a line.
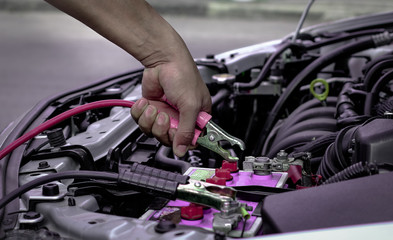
316,117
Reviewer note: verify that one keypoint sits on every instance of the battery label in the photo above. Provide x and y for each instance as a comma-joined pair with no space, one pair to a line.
201,174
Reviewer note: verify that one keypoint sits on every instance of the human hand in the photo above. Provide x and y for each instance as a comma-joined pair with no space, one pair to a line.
181,83
169,68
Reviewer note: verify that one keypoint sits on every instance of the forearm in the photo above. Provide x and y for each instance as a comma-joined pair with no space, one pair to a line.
131,24
169,68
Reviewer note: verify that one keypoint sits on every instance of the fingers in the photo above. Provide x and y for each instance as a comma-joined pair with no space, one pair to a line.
138,109
153,120
150,121
180,82
147,119
185,131
161,127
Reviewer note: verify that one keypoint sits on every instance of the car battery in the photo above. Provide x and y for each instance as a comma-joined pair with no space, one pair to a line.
185,213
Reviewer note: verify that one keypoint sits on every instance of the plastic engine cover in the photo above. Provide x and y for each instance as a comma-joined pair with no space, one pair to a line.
374,142
358,201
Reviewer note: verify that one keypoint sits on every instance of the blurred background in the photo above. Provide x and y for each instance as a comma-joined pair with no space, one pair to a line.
44,51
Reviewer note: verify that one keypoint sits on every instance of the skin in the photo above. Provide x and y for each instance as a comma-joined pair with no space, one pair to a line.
169,68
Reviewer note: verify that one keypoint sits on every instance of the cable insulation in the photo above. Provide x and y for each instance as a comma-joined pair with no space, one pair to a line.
55,177
61,117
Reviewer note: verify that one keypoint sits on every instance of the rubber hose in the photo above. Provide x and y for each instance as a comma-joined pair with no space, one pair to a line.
265,69
295,141
354,171
336,156
348,36
327,168
323,124
317,147
345,106
307,114
370,64
330,101
375,73
371,97
305,76
163,160
386,106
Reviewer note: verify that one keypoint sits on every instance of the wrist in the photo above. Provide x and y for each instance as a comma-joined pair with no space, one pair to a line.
163,48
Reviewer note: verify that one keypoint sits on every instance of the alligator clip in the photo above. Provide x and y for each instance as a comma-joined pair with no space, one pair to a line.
207,194
218,197
214,134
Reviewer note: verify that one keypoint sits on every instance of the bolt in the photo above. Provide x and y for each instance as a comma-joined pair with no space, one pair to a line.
43,164
211,138
249,158
262,159
226,205
197,184
50,189
282,155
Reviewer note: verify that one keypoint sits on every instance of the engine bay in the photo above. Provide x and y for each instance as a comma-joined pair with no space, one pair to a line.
315,116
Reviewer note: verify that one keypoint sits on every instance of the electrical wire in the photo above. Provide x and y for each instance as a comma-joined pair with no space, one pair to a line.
55,177
61,117
243,228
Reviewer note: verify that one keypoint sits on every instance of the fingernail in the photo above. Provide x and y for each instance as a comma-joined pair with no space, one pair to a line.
142,103
161,119
149,110
181,150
